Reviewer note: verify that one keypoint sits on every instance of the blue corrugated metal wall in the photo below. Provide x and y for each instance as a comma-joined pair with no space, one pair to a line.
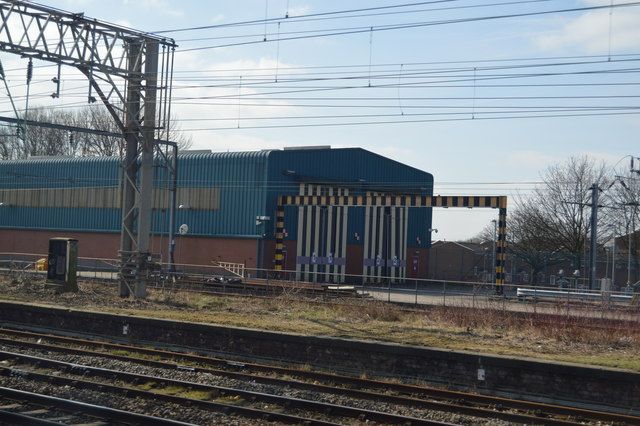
58,172
239,176
354,168
249,183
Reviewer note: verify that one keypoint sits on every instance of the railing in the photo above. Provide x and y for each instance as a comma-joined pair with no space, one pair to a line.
571,301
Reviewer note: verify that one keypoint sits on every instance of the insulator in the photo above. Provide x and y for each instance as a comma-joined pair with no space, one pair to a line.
1,71
29,71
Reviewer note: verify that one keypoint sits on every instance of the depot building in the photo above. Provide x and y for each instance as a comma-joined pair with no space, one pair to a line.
226,211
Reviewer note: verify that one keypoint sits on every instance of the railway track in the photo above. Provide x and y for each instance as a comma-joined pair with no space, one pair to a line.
414,398
163,389
28,408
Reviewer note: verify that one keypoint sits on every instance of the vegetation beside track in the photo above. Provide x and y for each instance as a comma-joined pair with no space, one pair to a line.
581,340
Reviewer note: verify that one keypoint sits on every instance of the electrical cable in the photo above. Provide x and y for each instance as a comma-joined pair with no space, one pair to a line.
266,20
416,25
414,11
443,120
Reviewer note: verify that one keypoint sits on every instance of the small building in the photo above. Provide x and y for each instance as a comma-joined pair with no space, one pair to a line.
622,264
461,261
228,201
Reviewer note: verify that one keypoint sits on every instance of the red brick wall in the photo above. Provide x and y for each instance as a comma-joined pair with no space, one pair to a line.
193,250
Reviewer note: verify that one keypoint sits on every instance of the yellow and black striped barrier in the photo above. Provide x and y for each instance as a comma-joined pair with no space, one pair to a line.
493,202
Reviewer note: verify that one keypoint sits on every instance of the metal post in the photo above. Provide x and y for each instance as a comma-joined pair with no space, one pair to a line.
594,235
146,169
630,232
501,247
172,209
130,165
387,249
613,264
495,235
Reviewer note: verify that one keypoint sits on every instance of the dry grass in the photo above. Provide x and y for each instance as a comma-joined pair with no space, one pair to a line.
483,328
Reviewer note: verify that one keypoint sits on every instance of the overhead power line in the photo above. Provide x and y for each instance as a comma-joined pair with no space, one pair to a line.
436,120
351,16
470,62
262,21
416,25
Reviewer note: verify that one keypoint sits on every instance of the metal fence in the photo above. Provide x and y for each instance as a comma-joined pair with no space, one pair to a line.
571,298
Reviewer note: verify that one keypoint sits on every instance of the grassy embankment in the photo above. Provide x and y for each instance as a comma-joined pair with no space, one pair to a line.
582,341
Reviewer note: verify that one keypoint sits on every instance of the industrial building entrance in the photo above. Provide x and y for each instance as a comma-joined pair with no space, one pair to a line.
323,227
376,237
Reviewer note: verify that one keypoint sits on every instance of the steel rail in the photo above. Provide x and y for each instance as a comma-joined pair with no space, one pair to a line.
22,419
286,402
461,399
77,406
134,393
449,407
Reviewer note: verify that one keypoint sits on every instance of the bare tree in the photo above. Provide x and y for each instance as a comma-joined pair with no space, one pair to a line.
561,206
523,243
37,140
552,225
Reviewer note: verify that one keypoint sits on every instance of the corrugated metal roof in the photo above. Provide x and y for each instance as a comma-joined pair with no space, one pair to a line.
248,184
55,172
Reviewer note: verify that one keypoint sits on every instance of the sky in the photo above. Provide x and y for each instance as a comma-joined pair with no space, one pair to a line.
442,86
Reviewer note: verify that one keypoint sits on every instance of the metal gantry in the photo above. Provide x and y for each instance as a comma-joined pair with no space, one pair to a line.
130,72
400,200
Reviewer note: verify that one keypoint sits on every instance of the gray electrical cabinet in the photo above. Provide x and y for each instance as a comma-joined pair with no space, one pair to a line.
63,263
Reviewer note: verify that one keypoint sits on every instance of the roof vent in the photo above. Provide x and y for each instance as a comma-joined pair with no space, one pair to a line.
308,147
196,151
47,157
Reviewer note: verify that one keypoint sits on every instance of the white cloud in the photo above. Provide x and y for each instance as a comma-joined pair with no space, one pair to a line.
217,106
589,31
217,18
77,3
298,10
162,6
124,23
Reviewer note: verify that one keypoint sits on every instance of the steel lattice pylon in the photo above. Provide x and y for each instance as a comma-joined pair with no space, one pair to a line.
130,71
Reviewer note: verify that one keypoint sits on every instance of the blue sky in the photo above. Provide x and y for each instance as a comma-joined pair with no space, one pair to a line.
466,157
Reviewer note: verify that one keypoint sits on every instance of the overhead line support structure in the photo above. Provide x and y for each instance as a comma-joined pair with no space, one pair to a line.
122,67
400,200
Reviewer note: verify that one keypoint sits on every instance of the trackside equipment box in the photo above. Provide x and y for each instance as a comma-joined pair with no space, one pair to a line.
63,263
